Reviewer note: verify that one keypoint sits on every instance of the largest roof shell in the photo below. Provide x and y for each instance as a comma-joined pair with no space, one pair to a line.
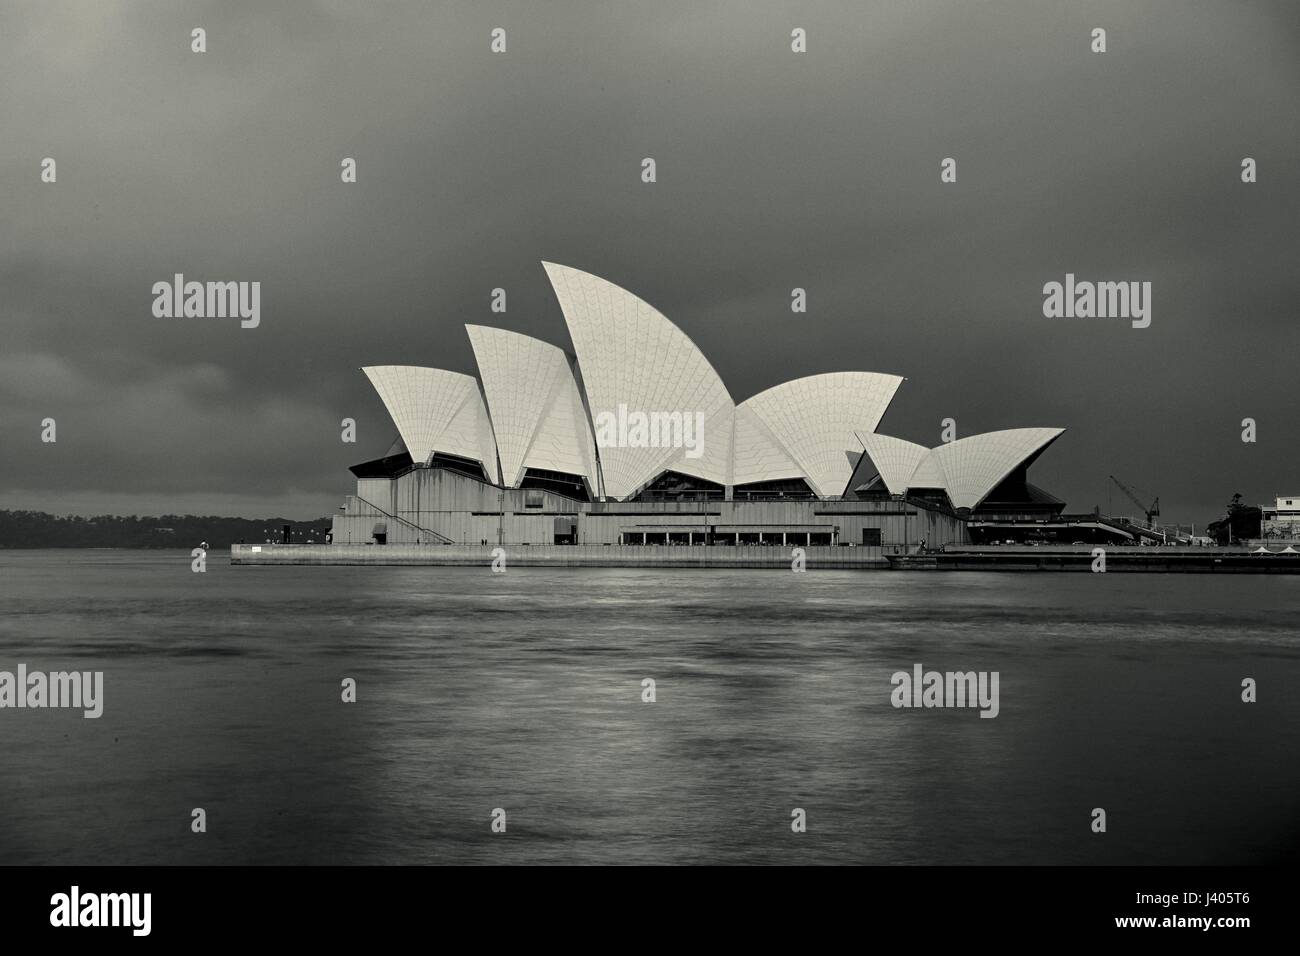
634,360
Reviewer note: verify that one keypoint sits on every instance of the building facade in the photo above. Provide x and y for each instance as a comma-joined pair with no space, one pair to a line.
1281,522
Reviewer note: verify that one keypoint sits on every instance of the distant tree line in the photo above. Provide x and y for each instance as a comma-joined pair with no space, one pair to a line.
36,529
1242,521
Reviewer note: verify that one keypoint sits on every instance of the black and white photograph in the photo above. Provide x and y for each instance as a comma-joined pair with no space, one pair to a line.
649,433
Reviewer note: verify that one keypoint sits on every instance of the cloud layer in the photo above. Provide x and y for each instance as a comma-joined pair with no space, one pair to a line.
776,170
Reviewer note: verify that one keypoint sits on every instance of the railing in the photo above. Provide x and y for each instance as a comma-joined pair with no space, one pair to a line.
442,538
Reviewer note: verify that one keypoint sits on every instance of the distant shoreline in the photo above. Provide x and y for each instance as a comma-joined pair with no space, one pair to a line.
26,530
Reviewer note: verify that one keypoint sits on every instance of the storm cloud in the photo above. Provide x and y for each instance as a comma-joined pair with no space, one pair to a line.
775,170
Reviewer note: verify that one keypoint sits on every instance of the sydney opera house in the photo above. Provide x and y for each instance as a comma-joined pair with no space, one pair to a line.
633,439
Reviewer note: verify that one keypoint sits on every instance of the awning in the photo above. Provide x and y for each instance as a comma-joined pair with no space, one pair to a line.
381,527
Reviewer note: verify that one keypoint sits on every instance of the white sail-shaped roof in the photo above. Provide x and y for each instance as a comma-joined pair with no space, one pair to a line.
928,474
563,441
714,462
895,459
632,361
976,465
537,414
437,410
632,356
815,419
758,455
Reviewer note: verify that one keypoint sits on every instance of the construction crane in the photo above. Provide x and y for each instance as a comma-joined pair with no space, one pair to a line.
1151,511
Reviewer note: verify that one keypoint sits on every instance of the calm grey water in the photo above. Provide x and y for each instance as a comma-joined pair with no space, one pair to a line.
522,691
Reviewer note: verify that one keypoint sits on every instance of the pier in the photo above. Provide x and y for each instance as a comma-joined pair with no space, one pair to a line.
561,555
968,558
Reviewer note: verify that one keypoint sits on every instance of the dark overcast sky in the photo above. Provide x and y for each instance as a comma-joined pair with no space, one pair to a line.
776,170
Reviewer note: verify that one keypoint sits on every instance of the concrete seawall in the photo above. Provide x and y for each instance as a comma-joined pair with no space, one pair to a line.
1005,558
1145,560
557,556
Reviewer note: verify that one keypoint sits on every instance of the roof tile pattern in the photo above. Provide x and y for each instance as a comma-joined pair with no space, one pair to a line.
976,465
436,410
758,455
815,419
894,458
631,359
537,414
632,356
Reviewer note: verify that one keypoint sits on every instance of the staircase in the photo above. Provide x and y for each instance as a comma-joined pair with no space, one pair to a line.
437,538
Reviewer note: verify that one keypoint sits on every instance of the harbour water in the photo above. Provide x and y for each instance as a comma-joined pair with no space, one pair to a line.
523,691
